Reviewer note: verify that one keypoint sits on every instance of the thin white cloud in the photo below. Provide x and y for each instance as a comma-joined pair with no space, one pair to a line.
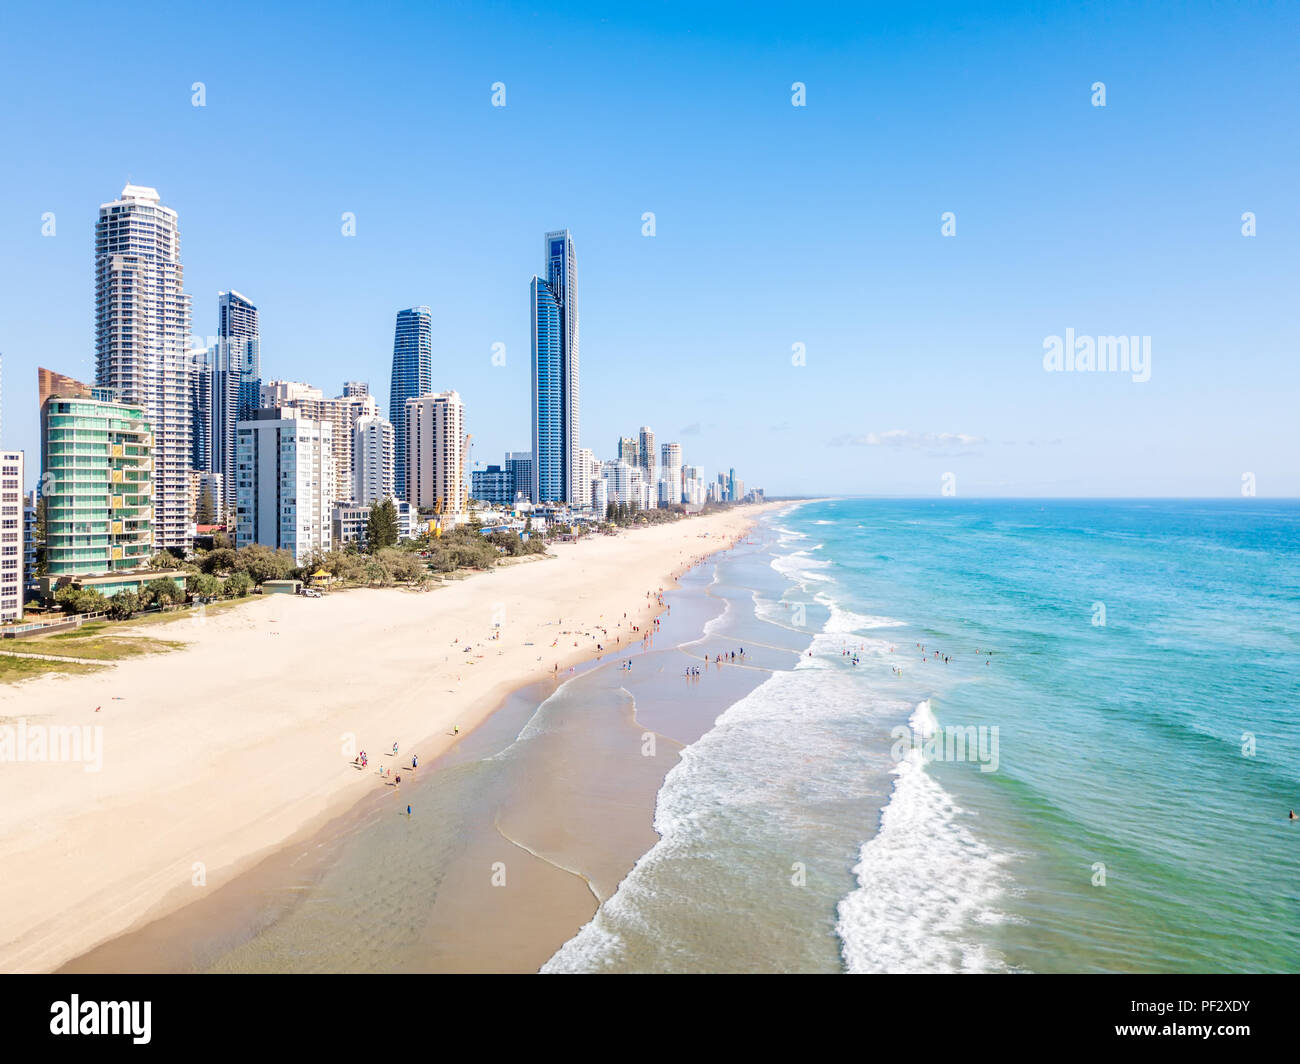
906,438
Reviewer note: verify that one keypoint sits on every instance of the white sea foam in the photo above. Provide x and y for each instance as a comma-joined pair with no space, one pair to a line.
752,766
801,567
712,625
775,611
926,883
846,622
924,880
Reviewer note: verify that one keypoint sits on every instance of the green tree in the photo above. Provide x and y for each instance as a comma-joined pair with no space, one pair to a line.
401,566
163,591
346,566
381,526
123,605
218,560
263,563
80,600
508,541
204,585
237,585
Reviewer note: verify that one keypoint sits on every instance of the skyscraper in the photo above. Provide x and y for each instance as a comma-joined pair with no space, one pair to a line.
203,382
14,525
142,326
627,451
588,473
342,412
556,396
412,377
286,473
648,455
372,460
435,426
236,376
670,489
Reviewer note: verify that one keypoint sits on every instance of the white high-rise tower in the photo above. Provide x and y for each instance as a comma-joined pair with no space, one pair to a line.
142,326
372,460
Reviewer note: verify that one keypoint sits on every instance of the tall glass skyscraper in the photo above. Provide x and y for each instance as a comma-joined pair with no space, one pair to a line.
142,328
236,385
556,397
412,378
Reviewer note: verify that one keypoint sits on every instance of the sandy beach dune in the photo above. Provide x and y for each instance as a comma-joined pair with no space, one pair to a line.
215,754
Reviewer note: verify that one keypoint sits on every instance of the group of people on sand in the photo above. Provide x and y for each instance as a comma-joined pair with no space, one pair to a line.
387,773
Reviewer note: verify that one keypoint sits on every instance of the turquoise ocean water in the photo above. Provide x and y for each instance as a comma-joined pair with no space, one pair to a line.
1096,779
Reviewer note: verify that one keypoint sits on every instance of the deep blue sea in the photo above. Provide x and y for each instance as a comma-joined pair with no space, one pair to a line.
1088,767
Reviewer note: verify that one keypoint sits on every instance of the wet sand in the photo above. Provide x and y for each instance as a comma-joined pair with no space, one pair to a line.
516,832
220,754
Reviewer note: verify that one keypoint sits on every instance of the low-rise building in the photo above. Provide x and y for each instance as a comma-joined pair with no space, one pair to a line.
493,485
348,524
351,519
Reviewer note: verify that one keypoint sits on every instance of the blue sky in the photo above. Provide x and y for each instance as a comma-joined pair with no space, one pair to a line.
775,225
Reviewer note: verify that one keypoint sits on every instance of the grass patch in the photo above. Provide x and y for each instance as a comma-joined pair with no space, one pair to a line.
99,647
15,669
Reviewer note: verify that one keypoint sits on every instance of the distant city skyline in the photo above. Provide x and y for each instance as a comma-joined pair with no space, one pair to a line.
890,355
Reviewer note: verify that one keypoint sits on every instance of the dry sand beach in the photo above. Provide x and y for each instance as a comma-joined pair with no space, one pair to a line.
217,754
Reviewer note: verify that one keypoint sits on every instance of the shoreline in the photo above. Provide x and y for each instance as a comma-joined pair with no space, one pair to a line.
658,556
